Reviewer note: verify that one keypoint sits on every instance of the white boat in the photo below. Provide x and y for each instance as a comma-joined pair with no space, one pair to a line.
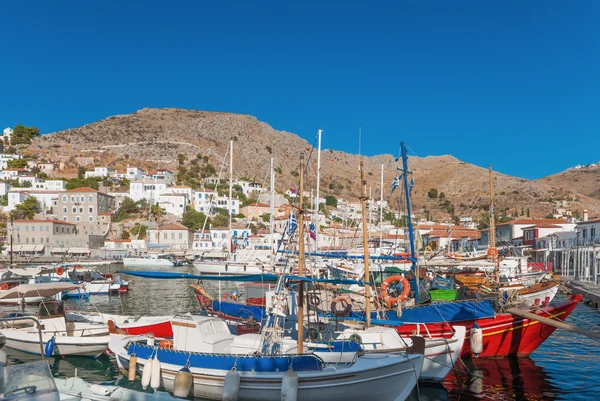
210,350
440,353
57,336
150,259
230,268
33,381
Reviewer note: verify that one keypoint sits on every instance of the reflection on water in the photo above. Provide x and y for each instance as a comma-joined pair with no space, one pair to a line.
561,369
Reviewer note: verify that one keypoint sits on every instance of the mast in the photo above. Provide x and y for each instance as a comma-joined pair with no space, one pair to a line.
301,260
318,205
12,229
381,212
230,194
409,219
363,201
272,204
492,236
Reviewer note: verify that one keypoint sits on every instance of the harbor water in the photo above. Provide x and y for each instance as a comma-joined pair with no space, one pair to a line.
563,368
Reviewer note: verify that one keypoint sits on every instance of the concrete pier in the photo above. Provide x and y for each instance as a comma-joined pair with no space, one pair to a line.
589,291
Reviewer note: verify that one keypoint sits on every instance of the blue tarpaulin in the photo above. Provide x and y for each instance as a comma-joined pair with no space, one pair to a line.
240,310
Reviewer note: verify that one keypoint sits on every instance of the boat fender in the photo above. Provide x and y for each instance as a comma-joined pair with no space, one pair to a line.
476,339
231,385
155,376
99,390
289,386
476,384
146,374
346,309
50,345
399,309
131,373
150,340
183,383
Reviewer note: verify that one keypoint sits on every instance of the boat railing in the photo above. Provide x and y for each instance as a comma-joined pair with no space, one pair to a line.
35,320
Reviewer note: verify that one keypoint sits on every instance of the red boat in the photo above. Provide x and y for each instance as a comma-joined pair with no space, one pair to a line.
505,334
160,326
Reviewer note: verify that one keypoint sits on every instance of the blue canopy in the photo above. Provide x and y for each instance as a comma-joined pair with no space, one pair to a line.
242,278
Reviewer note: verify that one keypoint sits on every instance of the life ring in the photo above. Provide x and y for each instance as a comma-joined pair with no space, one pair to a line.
343,312
59,270
492,252
391,301
4,287
168,344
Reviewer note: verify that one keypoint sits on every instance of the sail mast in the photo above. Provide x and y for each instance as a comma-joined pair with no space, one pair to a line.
492,236
317,204
413,258
381,213
230,194
272,204
367,278
301,259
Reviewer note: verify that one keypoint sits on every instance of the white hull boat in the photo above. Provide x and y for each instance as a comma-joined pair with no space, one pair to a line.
229,268
147,261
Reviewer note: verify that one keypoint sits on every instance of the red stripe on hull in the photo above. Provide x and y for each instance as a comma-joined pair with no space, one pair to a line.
504,334
162,329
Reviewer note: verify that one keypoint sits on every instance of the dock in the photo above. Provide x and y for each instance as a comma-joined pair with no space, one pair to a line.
589,291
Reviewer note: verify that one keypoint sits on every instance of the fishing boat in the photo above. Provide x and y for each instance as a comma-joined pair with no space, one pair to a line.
57,336
206,346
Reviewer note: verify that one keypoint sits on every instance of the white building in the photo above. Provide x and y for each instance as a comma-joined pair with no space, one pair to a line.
134,173
202,242
176,236
249,187
205,202
182,190
220,238
7,134
146,189
161,175
98,172
174,204
18,195
4,187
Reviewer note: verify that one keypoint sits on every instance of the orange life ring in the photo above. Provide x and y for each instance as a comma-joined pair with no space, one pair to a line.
168,344
391,301
343,312
4,287
59,270
492,252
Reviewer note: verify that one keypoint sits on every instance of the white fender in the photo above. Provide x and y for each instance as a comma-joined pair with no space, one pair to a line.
146,374
155,376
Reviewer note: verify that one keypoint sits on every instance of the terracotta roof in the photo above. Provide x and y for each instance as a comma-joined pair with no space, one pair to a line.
533,222
180,186
43,221
174,226
258,205
541,226
592,220
118,240
82,189
171,195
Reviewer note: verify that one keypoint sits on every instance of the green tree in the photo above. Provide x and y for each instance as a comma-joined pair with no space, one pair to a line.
128,207
125,234
432,193
220,221
26,209
80,172
17,163
331,201
23,135
193,220
266,217
528,213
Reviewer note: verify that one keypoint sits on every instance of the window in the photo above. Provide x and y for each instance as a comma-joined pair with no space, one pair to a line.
47,228
33,240
62,229
165,235
80,210
27,228
91,209
27,240
72,199
77,219
585,233
47,240
64,198
90,198
64,218
180,235
593,232
172,235
64,209
91,219
56,229
74,210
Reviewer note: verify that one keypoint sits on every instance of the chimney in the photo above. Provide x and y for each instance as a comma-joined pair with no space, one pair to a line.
585,215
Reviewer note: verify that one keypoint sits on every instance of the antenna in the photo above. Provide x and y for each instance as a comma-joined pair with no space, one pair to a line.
359,140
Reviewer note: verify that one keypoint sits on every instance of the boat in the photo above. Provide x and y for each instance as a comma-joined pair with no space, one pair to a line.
95,282
207,347
230,268
56,335
33,381
148,260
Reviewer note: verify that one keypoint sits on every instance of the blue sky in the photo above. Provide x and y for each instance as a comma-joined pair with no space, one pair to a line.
511,83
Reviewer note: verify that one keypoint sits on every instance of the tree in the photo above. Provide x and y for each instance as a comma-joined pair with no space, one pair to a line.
193,220
125,234
528,213
23,135
16,163
331,201
220,221
26,209
128,206
266,217
180,159
432,193
80,172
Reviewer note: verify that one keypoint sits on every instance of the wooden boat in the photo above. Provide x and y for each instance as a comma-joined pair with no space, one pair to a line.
208,348
504,334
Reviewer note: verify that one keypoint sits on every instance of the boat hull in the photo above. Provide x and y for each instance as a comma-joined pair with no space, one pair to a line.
65,346
229,268
505,334
129,262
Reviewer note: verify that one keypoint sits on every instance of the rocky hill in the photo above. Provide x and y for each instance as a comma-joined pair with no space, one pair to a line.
155,138
582,179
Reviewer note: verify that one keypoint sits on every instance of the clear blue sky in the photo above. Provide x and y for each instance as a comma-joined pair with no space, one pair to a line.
512,83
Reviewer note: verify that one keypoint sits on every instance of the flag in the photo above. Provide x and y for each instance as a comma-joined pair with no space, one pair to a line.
292,224
411,185
395,183
312,232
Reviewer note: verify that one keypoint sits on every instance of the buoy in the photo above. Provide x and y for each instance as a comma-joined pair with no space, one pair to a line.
99,390
289,386
49,349
183,382
131,373
476,339
231,386
155,376
146,374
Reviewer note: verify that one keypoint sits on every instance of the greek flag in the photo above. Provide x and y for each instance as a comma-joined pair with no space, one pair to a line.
395,183
292,224
312,232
